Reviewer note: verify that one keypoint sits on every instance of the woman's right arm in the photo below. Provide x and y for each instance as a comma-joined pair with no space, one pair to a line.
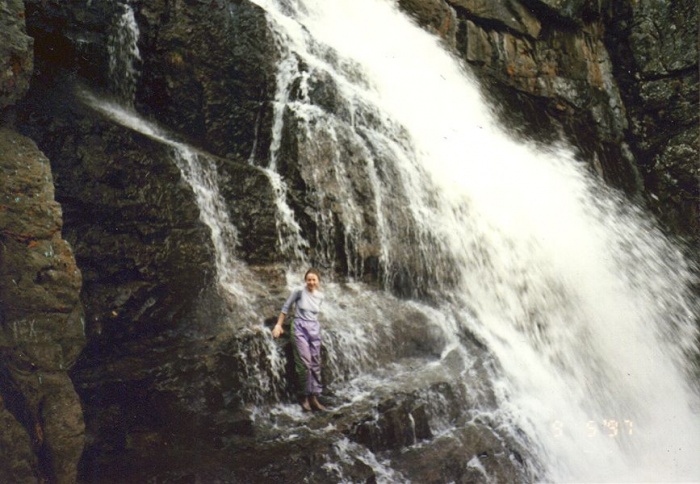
277,330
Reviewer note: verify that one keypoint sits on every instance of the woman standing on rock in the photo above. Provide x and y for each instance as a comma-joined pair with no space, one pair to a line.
306,335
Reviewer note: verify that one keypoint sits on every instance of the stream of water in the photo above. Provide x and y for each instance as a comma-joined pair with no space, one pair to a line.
200,173
124,55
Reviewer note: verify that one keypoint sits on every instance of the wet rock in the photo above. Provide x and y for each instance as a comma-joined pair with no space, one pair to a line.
150,381
435,16
654,51
16,54
574,10
418,336
398,424
130,217
221,99
509,14
673,181
19,462
473,453
563,73
662,36
40,317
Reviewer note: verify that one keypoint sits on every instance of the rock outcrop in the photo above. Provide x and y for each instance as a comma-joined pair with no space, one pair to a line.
41,318
16,56
41,324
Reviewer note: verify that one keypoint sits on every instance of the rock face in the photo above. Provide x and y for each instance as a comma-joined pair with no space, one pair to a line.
41,318
16,62
163,367
655,54
547,69
130,218
40,313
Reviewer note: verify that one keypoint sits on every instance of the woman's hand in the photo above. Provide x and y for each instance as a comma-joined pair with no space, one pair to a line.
277,330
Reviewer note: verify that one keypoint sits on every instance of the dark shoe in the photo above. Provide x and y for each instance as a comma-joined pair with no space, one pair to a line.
304,402
316,405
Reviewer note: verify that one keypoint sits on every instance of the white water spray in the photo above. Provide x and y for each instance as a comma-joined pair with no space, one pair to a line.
584,303
124,54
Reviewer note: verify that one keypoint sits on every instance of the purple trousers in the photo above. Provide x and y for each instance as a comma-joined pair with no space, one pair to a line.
307,355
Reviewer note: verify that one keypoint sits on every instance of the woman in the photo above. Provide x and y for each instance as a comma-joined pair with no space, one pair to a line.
306,334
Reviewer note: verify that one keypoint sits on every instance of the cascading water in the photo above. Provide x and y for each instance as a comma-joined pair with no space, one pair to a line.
124,55
584,304
199,170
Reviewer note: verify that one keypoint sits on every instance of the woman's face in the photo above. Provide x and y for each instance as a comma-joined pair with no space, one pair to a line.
311,282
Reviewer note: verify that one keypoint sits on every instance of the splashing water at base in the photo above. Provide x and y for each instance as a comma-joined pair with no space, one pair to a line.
585,304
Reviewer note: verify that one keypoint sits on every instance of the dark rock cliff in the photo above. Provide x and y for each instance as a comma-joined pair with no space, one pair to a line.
41,321
618,79
654,47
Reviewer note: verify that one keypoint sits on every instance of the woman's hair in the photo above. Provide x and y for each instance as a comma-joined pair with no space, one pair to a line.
314,272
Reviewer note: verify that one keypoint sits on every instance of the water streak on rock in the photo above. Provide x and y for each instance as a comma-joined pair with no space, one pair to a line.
124,56
199,171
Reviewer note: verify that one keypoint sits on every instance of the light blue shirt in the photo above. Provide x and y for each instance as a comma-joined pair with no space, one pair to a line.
308,304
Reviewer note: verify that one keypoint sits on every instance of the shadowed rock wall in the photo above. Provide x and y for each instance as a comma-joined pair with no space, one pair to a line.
41,325
149,277
654,47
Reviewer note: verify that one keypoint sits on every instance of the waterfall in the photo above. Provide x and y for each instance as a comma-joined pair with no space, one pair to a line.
291,242
264,366
584,304
124,55
199,171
